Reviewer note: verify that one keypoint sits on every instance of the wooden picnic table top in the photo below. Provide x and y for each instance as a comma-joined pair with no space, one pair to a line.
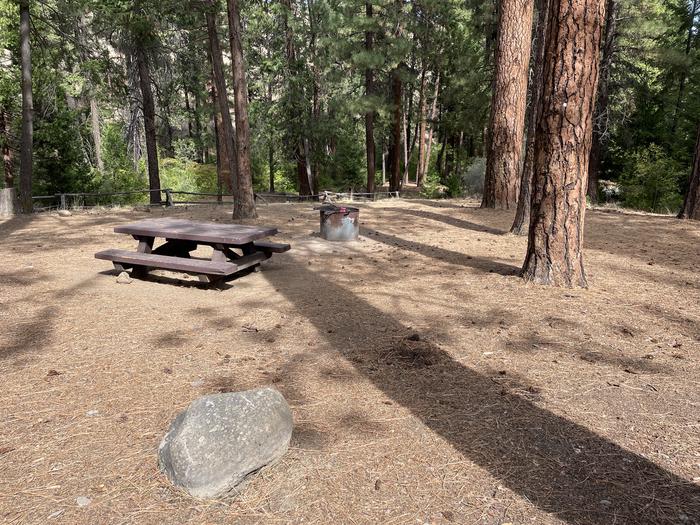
207,232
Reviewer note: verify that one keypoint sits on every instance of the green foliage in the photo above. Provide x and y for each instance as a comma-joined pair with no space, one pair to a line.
454,186
432,188
651,180
60,165
83,60
185,175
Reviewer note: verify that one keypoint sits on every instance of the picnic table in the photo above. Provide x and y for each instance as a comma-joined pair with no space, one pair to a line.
236,248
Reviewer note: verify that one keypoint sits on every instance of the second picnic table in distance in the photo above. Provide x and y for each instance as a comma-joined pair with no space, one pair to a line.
236,247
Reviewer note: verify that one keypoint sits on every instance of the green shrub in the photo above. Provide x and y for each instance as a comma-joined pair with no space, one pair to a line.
185,175
651,181
454,186
432,189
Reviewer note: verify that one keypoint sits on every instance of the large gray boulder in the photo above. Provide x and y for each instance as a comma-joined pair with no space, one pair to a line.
214,445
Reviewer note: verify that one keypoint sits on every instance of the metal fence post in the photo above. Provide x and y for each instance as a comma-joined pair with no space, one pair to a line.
168,198
63,200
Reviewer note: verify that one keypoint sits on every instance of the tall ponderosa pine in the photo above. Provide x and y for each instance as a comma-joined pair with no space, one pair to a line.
564,129
226,149
508,104
601,118
396,144
244,200
370,146
691,206
142,39
521,223
296,103
8,167
26,146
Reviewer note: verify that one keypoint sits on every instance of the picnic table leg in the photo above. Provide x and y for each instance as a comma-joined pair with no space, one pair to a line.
145,246
250,249
221,253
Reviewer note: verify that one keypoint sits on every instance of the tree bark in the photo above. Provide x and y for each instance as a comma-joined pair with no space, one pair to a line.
149,120
691,206
223,161
521,222
395,146
508,104
384,155
271,165
96,133
311,140
405,149
425,165
202,154
297,102
244,200
226,145
423,117
564,130
6,149
600,120
135,112
26,146
369,115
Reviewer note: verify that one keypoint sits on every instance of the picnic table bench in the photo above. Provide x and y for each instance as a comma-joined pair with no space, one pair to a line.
235,247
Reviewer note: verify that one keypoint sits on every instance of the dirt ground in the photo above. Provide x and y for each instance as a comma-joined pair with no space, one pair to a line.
428,383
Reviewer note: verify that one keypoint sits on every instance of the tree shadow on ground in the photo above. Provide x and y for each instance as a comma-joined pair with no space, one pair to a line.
34,333
478,263
442,204
453,221
559,466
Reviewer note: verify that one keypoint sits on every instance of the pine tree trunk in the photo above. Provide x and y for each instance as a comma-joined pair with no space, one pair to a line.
311,140
220,148
563,143
423,116
223,162
425,165
297,100
202,153
691,206
521,222
26,146
508,104
149,120
135,112
600,121
226,144
384,155
6,149
244,200
397,110
395,146
188,112
405,149
270,145
369,115
96,133
271,165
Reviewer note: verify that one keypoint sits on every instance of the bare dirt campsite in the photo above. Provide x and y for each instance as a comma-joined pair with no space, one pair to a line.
428,382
